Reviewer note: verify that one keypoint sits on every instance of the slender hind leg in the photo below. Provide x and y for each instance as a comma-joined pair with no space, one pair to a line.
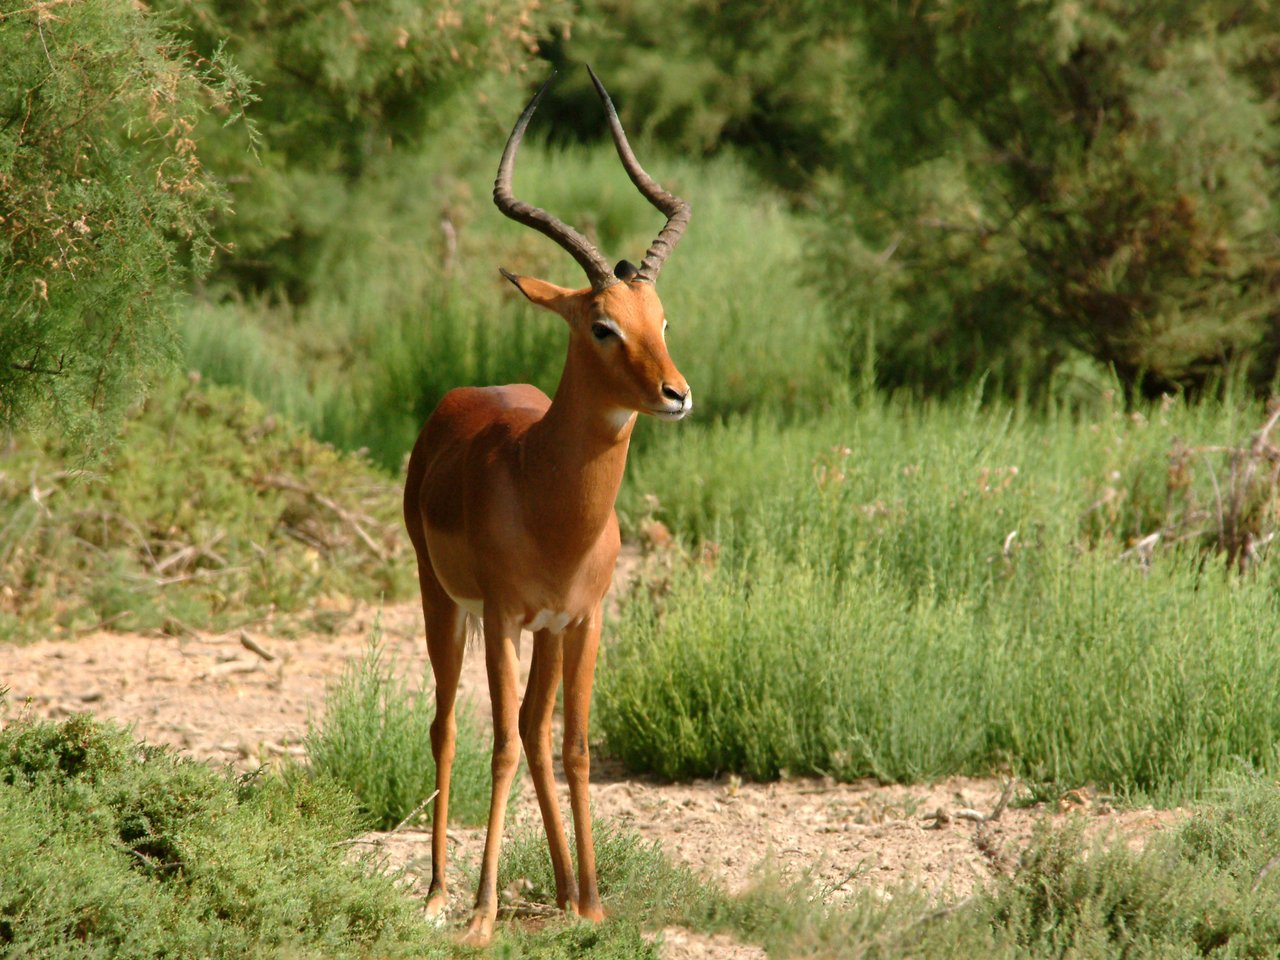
502,665
535,732
581,644
446,644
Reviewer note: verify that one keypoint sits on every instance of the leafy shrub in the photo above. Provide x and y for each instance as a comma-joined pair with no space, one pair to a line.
1026,183
1198,891
375,740
341,88
106,205
906,591
130,851
212,512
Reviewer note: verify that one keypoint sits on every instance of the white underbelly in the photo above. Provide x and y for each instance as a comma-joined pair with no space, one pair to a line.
554,620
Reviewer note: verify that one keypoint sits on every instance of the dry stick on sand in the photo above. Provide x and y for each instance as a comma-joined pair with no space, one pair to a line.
984,818
251,644
983,843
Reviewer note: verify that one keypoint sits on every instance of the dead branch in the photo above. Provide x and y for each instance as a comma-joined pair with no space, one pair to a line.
278,482
251,644
1245,481
383,838
191,553
519,907
1005,796
412,813
1262,874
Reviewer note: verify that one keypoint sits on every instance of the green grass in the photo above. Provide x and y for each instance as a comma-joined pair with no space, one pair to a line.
388,327
112,848
869,613
211,512
375,740
1198,890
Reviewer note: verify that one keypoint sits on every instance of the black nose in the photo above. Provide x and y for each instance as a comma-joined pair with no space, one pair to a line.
671,393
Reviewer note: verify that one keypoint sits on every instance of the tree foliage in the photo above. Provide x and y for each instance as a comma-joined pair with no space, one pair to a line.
104,204
1044,179
342,87
769,79
1000,186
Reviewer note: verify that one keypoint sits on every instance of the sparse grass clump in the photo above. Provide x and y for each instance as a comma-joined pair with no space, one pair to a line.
1206,888
211,512
375,740
112,848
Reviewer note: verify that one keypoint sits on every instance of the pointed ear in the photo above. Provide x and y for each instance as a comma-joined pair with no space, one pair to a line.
543,293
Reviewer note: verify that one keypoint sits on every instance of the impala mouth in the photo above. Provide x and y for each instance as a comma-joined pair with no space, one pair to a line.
673,411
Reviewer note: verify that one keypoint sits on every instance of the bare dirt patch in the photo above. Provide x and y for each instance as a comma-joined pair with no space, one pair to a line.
214,698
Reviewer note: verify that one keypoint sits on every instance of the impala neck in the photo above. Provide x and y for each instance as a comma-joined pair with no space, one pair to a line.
574,459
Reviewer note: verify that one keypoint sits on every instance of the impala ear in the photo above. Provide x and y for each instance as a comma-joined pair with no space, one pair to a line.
542,292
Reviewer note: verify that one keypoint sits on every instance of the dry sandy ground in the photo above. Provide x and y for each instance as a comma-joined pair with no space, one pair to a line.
212,697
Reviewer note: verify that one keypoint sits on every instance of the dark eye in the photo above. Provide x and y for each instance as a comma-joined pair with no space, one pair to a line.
602,331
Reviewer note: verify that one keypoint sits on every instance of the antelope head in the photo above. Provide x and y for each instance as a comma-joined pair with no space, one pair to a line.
617,340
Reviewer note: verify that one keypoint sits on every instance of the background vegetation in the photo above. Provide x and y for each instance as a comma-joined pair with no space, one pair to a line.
980,303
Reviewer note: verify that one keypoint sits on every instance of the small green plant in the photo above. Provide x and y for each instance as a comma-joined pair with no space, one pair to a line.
375,740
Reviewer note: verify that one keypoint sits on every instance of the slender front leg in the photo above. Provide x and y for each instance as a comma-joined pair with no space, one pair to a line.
535,733
502,665
581,644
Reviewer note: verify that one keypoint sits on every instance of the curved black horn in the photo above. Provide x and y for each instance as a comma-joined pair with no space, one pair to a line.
677,210
578,246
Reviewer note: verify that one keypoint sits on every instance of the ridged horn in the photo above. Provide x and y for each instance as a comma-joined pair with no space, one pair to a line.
578,246
677,210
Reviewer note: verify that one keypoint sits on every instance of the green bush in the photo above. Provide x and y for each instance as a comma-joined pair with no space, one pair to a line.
1030,182
341,89
113,848
1196,892
1066,897
906,592
375,740
213,512
106,207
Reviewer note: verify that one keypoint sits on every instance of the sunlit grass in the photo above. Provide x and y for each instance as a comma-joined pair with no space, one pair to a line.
904,592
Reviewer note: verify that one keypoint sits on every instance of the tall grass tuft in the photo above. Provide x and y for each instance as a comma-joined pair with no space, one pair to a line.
375,740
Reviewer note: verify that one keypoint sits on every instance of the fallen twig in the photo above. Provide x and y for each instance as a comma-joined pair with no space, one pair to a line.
413,813
249,643
1262,874
229,668
277,482
1005,796
529,908
383,838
